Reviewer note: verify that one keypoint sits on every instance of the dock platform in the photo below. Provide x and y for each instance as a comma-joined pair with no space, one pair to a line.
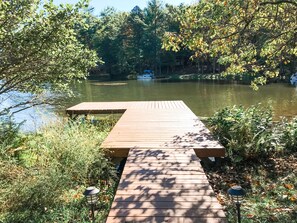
163,180
153,124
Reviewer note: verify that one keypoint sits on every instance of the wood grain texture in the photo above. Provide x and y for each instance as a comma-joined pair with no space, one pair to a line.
153,124
162,180
152,190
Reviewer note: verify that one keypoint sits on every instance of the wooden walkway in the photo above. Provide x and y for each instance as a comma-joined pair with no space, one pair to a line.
156,124
164,185
163,180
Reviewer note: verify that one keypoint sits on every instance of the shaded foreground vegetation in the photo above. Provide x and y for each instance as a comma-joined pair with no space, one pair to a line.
270,184
262,158
43,175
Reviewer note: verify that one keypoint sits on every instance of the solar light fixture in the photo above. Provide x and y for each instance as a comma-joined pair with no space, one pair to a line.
237,194
91,193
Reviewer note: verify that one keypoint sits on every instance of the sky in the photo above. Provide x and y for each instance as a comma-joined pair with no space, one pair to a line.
121,5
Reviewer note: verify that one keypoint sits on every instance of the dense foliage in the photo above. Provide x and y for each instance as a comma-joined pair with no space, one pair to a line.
39,51
251,133
245,40
270,186
262,158
44,46
129,42
43,175
255,37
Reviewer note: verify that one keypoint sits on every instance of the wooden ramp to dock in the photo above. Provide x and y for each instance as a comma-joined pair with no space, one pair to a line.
163,180
164,185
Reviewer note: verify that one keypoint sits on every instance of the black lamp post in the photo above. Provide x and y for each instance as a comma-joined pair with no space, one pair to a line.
237,193
91,193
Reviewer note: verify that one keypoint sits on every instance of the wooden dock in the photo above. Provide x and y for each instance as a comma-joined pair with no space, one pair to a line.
153,124
163,180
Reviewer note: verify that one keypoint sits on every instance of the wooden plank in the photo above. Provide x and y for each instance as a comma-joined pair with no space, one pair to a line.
210,153
144,198
165,205
169,165
137,185
171,180
162,179
192,212
174,178
153,124
152,219
161,171
164,191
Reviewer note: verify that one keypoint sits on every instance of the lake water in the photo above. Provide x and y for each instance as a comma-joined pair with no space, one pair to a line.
203,98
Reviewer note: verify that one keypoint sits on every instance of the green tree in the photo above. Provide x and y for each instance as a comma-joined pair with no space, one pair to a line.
154,31
108,41
132,34
39,51
86,31
172,60
254,37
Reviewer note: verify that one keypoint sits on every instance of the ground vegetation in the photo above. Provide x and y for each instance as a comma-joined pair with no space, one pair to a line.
43,175
261,156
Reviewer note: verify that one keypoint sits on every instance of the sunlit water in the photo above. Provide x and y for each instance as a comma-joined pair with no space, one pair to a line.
29,119
203,98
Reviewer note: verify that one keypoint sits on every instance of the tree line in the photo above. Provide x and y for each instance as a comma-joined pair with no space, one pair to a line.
255,38
239,38
129,42
43,47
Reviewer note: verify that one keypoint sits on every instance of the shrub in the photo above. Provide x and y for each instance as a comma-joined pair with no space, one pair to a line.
289,134
246,133
9,134
46,176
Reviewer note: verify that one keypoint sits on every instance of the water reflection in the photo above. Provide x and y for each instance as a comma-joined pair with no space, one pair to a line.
35,118
203,98
31,118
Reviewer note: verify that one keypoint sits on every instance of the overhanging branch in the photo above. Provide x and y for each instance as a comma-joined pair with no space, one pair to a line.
279,2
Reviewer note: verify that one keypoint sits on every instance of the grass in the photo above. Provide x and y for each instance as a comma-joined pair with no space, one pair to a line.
43,175
270,184
261,156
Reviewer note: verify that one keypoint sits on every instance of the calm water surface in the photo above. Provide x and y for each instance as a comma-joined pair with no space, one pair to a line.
203,98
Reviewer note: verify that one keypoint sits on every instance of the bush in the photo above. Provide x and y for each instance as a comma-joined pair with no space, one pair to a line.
249,133
9,134
47,174
289,134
